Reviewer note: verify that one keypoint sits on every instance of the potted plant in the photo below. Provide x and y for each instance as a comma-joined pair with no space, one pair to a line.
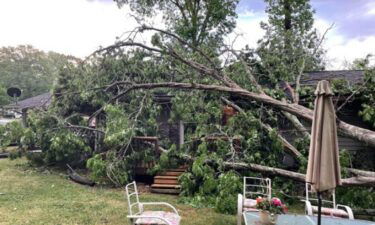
269,209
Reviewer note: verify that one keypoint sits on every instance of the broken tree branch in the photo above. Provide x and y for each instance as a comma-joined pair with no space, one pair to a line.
349,130
353,181
286,144
362,173
349,182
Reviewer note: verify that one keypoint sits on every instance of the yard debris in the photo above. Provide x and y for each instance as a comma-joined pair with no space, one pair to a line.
74,176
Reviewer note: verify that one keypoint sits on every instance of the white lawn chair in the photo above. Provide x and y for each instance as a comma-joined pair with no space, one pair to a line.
334,210
138,216
253,187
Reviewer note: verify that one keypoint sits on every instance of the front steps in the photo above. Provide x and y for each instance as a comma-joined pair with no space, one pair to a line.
167,181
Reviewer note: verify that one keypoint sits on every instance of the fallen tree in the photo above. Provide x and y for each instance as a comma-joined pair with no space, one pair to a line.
352,181
361,181
361,134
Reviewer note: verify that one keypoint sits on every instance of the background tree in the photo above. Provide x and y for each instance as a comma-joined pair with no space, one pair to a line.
3,96
291,45
31,70
196,21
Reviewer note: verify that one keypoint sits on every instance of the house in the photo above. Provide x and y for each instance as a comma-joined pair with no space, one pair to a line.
40,101
350,76
364,155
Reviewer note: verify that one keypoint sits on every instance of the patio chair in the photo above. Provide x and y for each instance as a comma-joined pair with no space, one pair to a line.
139,216
333,209
253,187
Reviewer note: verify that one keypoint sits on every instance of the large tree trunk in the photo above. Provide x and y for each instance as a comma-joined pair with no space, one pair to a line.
353,181
361,134
359,181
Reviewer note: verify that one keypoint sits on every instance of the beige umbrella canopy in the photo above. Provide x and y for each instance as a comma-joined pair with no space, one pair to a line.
323,170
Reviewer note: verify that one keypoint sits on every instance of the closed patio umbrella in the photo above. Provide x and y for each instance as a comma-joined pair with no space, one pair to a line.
323,169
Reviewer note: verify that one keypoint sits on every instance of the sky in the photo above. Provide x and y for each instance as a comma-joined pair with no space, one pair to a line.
79,27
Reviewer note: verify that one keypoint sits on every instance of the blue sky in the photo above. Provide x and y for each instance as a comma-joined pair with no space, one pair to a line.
352,35
352,18
79,27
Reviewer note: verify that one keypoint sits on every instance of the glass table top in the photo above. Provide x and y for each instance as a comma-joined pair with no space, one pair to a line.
252,218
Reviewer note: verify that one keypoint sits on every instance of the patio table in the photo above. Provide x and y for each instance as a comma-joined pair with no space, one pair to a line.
252,218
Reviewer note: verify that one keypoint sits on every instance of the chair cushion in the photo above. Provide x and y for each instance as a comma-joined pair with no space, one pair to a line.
331,212
249,203
172,218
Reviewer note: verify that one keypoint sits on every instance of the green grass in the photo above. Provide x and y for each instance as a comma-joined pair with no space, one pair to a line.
31,196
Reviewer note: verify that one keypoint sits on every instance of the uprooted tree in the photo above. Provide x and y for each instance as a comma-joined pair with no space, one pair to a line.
190,61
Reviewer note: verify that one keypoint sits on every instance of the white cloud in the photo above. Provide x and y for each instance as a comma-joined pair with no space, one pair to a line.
79,27
370,7
248,30
341,50
75,27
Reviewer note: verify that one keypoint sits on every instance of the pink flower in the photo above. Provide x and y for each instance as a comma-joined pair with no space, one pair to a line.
276,202
259,199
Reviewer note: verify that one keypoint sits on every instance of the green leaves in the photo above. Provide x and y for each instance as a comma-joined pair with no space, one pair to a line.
368,97
98,167
30,69
291,44
118,129
197,22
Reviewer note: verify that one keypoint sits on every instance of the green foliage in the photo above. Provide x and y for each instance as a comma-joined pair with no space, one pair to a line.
210,189
229,185
195,21
28,139
3,96
31,70
97,166
205,185
368,96
118,129
11,133
356,197
65,147
291,44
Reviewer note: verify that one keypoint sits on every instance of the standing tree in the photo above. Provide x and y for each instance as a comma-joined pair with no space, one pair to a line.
291,45
196,21
31,70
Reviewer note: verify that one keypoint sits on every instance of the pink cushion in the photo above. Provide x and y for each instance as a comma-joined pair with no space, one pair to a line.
249,203
172,218
331,212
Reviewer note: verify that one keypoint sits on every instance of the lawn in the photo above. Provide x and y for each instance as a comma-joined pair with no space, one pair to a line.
32,196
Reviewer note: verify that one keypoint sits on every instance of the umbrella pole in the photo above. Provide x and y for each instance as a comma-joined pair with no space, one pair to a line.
319,208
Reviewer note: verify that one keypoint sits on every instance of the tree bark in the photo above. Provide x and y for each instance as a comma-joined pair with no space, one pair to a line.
361,134
353,181
361,172
291,149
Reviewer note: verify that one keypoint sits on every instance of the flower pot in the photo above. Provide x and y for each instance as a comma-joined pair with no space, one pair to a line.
267,218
